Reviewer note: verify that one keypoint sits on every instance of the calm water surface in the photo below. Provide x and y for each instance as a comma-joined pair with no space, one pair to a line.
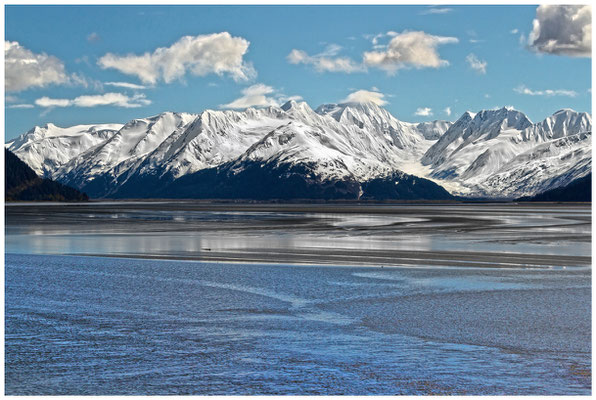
472,299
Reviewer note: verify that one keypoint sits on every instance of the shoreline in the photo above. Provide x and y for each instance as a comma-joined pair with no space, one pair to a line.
457,261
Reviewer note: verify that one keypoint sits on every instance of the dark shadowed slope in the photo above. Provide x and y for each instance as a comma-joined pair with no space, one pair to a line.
21,183
285,181
578,190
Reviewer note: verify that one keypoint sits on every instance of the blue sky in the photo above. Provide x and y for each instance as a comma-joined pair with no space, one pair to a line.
96,64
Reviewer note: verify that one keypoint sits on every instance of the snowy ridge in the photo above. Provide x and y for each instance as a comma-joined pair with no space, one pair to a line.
48,147
492,153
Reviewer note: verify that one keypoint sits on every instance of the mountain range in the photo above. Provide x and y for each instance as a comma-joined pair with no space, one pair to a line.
347,151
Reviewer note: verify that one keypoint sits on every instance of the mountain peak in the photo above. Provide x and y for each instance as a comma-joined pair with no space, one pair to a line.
565,111
296,105
289,105
352,111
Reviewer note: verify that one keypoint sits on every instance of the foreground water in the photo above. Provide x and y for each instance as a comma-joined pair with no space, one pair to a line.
461,312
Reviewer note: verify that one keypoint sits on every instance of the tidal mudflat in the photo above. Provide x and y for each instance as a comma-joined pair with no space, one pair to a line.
199,298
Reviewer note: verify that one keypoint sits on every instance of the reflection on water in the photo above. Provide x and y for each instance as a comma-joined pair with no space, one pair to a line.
188,229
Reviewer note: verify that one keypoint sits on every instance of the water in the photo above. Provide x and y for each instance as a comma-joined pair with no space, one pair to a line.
106,326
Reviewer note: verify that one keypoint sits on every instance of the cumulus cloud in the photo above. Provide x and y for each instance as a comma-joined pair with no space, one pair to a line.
259,95
106,99
25,69
476,64
217,53
562,30
365,96
424,112
126,85
414,49
522,89
447,111
327,61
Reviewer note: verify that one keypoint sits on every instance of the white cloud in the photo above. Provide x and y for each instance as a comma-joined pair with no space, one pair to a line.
93,37
126,85
522,89
326,61
25,69
563,30
217,53
437,10
82,80
112,99
48,102
424,112
21,106
259,95
375,38
514,31
106,99
476,64
409,50
365,96
447,111
253,96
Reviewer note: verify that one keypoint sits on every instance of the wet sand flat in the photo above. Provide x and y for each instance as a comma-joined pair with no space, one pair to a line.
458,235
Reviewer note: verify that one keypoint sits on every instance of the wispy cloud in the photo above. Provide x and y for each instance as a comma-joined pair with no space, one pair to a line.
437,10
126,85
366,96
424,112
326,61
21,106
93,37
522,89
476,64
259,95
447,111
106,99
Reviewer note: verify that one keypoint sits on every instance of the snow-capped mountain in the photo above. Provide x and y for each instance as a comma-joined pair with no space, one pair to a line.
495,153
48,147
501,153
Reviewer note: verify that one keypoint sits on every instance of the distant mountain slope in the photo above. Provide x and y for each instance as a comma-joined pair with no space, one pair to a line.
22,183
578,190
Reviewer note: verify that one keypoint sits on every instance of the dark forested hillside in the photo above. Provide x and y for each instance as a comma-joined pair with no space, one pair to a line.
578,190
22,184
